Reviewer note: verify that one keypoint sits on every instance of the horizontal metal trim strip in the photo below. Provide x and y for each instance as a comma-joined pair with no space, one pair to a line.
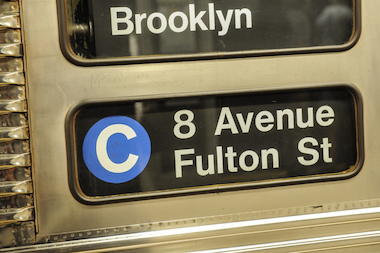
16,215
12,78
10,36
15,187
9,7
20,133
10,21
12,92
14,160
14,50
127,239
18,105
16,201
307,241
11,64
13,120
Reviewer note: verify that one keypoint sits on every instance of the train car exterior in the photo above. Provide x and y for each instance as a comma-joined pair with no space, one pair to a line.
189,126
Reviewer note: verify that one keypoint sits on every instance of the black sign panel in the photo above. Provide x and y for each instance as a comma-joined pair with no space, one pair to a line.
161,29
156,147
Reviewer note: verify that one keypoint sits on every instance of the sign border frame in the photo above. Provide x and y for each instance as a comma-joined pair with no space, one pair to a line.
73,58
81,197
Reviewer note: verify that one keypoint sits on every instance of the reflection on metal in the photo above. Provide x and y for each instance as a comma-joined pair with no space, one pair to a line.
11,64
16,188
12,78
17,234
13,105
10,21
14,148
15,174
13,215
10,36
8,160
9,7
16,201
10,188
11,50
219,237
12,92
12,120
13,133
307,241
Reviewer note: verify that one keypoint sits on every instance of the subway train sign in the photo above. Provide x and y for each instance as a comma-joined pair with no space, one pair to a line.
160,147
99,32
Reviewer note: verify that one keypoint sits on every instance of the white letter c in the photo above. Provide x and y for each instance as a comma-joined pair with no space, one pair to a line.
101,148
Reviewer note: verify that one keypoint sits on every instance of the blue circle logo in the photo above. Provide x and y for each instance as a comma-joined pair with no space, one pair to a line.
116,149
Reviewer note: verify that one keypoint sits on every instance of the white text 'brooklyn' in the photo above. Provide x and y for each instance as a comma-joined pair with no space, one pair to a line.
124,21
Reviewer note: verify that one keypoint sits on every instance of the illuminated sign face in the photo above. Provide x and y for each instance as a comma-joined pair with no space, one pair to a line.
149,148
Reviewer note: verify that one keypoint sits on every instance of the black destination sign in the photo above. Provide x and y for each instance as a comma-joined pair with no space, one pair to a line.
160,147
146,30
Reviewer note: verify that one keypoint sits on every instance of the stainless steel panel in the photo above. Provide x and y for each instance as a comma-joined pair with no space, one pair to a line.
55,85
350,230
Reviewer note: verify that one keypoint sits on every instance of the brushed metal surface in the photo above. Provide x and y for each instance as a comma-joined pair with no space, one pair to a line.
55,85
